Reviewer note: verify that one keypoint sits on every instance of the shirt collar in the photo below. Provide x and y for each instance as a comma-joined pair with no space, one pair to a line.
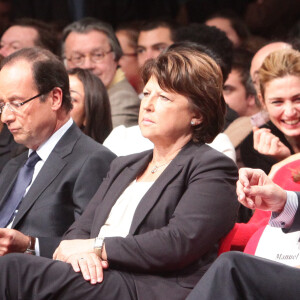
119,76
46,148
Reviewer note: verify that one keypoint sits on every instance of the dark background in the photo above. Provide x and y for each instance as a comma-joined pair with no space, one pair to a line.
267,18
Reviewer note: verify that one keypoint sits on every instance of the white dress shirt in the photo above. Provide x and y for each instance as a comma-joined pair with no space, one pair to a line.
121,215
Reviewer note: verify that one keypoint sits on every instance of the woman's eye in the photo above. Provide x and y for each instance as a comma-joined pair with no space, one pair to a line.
276,102
164,97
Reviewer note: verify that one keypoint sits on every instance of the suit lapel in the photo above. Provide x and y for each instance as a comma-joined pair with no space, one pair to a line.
50,170
153,195
118,184
48,173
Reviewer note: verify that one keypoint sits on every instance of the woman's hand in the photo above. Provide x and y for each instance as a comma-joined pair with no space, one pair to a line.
90,265
256,190
80,254
69,247
268,144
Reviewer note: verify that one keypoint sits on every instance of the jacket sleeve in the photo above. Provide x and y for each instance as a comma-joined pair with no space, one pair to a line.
81,228
91,175
206,211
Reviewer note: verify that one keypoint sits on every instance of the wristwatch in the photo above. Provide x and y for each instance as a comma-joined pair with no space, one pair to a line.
98,245
31,247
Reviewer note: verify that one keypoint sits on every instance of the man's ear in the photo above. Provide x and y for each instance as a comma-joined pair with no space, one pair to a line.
251,101
56,98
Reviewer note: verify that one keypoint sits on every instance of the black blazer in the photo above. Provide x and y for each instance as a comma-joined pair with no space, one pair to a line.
177,225
65,184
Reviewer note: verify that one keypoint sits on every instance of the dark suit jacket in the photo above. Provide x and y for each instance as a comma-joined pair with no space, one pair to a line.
177,225
65,184
8,147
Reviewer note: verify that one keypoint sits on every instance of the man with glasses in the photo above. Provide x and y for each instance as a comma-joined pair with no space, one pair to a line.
44,190
22,33
92,44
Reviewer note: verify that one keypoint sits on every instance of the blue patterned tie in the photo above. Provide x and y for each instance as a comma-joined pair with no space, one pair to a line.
16,195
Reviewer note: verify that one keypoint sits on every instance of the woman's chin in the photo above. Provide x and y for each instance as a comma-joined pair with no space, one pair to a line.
291,132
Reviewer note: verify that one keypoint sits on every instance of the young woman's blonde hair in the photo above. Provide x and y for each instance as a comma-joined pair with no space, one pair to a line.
279,64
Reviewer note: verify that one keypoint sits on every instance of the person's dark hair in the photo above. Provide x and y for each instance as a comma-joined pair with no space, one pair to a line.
294,31
253,43
236,22
241,63
89,24
295,43
212,38
96,103
293,36
156,23
47,70
47,36
132,31
184,69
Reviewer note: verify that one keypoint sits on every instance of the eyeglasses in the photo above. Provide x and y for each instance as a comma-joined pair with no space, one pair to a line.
15,105
130,54
95,57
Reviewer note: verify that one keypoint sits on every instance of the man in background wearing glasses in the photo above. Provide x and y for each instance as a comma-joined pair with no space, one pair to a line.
92,44
41,198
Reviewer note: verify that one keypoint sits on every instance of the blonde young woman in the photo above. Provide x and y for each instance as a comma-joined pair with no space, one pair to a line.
279,78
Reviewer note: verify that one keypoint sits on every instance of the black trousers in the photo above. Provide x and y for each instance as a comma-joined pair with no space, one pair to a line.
28,277
235,275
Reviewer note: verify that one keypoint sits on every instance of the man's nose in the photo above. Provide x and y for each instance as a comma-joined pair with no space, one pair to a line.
88,64
4,51
7,114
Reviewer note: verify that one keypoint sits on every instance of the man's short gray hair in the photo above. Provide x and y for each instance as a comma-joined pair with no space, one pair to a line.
88,24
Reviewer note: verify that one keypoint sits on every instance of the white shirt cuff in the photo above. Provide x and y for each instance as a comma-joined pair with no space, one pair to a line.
286,218
37,247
